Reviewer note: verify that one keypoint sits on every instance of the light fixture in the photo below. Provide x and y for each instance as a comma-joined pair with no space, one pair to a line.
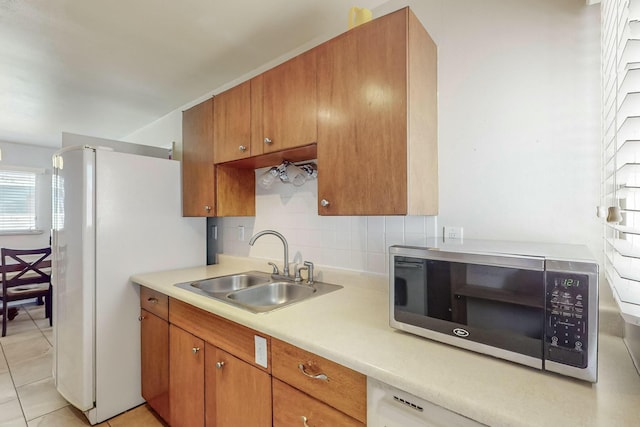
288,172
295,175
311,169
267,179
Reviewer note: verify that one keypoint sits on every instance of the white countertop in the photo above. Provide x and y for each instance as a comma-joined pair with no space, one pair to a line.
351,327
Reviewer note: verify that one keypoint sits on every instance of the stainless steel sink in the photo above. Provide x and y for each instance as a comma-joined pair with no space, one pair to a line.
230,283
272,295
256,291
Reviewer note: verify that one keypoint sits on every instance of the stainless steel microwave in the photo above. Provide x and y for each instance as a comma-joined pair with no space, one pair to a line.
533,304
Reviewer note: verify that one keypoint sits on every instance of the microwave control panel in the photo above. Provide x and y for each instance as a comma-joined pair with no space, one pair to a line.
566,322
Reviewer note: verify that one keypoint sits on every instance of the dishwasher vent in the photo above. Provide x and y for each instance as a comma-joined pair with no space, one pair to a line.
408,403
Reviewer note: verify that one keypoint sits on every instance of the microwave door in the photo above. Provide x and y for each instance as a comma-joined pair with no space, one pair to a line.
422,289
410,293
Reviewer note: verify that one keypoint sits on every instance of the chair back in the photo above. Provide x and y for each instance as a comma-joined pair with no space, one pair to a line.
25,266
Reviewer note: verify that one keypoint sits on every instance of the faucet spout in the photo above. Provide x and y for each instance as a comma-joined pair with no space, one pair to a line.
255,237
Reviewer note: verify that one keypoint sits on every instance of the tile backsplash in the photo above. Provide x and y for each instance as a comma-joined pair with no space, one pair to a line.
351,242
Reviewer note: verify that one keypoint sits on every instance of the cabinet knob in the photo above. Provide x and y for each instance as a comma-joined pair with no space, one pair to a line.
268,141
195,350
153,300
324,203
207,208
141,318
219,365
304,421
242,148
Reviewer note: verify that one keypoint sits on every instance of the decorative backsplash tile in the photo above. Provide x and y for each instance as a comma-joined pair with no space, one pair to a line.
351,242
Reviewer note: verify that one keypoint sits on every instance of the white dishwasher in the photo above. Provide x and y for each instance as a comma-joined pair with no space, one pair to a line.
388,406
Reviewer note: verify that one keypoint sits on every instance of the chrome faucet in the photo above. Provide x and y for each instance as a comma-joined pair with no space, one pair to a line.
285,271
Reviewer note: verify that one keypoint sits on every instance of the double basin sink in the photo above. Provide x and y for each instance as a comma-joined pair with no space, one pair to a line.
256,291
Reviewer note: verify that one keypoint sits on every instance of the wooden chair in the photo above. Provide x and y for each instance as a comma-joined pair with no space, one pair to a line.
25,275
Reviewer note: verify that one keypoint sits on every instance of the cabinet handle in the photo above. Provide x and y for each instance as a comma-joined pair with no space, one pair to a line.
207,208
195,350
322,377
304,421
153,300
219,365
242,148
324,203
141,318
268,141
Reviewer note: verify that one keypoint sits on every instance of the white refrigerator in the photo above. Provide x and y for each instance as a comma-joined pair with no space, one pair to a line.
114,215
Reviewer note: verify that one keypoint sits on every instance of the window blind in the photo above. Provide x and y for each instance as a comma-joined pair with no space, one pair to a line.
621,150
57,204
17,201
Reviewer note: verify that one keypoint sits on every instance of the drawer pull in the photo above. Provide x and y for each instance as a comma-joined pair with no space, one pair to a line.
304,421
153,300
322,377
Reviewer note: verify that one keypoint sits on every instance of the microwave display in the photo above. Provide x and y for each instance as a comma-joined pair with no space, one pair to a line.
497,306
566,334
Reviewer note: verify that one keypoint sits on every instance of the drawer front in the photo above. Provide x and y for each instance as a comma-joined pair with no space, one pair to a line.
323,379
225,334
291,407
154,302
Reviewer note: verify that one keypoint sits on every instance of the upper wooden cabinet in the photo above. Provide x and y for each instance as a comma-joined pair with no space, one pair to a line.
198,186
377,120
232,124
289,104
364,104
209,190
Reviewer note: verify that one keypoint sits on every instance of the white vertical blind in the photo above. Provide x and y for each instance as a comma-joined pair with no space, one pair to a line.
621,149
17,201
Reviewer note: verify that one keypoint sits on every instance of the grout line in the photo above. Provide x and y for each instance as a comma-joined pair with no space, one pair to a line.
15,389
36,324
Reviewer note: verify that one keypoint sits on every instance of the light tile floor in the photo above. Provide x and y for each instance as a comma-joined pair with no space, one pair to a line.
28,397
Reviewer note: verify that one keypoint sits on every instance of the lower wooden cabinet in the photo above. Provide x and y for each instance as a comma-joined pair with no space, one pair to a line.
292,407
199,369
186,378
154,342
329,382
236,393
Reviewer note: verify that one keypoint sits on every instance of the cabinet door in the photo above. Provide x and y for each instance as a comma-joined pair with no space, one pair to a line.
327,381
289,103
186,378
154,341
232,124
362,121
291,407
198,186
237,394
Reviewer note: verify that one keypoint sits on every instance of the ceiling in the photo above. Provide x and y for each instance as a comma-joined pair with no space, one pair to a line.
107,68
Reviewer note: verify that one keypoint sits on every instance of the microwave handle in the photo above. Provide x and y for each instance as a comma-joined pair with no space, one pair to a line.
409,264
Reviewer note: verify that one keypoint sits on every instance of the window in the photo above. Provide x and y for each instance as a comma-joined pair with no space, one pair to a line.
18,200
621,151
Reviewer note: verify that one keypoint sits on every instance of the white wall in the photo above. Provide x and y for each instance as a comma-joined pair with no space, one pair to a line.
34,157
161,133
519,155
351,242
